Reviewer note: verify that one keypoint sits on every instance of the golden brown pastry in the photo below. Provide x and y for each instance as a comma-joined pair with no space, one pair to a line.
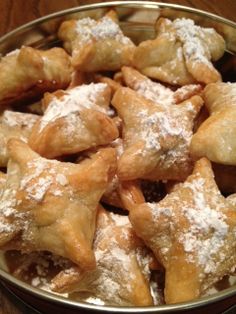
74,120
96,45
181,54
27,73
14,125
79,78
232,199
156,138
122,274
219,96
215,138
155,91
119,78
119,193
191,232
3,178
130,193
112,196
110,82
51,205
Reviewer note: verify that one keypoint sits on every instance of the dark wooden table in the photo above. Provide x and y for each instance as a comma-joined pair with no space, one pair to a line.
17,12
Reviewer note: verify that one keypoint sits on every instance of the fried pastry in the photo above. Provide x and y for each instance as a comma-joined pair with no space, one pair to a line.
14,125
130,193
123,194
232,199
114,86
74,120
215,138
155,91
3,178
191,232
96,45
156,138
122,274
118,77
51,205
219,96
27,73
111,196
79,78
119,193
181,54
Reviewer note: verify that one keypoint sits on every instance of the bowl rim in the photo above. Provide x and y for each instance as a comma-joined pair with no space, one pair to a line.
56,298
123,3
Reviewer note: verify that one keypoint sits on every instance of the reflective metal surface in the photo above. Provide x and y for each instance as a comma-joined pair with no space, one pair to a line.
137,21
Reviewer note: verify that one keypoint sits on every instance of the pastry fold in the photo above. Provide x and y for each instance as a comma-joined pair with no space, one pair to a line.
74,120
191,232
181,53
156,138
215,138
96,45
27,73
52,204
14,125
122,274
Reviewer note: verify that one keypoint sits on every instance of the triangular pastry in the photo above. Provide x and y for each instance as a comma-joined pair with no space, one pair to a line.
215,138
96,45
27,73
122,274
14,125
74,120
51,205
181,53
191,232
156,138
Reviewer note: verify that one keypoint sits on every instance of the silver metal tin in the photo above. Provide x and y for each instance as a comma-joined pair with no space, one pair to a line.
136,19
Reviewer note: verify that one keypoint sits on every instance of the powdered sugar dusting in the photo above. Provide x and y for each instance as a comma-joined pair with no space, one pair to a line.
203,219
75,100
105,28
187,91
8,204
61,179
39,189
160,125
207,230
191,36
155,91
13,53
114,262
114,280
18,119
43,179
120,220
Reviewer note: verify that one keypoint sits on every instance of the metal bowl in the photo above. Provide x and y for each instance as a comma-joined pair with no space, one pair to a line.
137,20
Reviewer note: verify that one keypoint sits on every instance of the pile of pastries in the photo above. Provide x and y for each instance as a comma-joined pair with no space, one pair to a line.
117,184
